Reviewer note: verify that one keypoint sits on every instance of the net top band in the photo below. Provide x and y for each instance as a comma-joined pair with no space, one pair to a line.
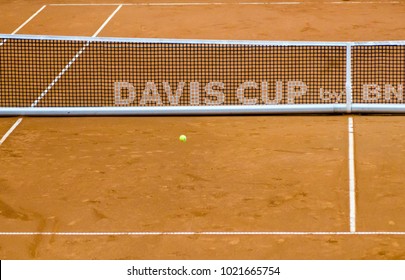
200,41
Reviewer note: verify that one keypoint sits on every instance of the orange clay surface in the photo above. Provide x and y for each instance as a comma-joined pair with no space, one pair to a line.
250,173
5,124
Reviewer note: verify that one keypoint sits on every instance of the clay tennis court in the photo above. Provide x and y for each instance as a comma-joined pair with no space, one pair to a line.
241,187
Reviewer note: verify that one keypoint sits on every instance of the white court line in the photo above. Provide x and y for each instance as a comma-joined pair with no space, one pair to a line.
25,23
28,20
213,4
352,179
42,95
10,131
180,4
86,4
14,32
107,21
366,2
59,75
140,233
224,3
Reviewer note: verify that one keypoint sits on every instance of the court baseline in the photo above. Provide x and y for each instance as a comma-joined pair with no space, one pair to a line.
223,3
207,233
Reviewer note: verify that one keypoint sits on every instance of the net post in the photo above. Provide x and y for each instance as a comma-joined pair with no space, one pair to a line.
349,97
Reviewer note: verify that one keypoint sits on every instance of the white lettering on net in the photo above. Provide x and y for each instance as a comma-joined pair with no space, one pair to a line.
390,89
292,91
219,95
330,95
241,90
194,93
150,94
265,93
118,100
173,99
371,92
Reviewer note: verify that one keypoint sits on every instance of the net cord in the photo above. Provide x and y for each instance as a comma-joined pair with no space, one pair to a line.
197,41
178,110
192,41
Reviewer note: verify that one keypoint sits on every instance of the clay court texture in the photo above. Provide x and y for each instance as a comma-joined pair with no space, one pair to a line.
240,187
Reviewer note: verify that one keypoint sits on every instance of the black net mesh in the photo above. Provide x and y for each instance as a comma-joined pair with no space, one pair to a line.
378,74
65,73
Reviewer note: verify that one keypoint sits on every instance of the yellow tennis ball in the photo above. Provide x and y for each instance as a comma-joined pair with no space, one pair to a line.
183,138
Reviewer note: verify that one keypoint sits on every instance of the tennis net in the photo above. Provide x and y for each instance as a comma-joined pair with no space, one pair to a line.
42,75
